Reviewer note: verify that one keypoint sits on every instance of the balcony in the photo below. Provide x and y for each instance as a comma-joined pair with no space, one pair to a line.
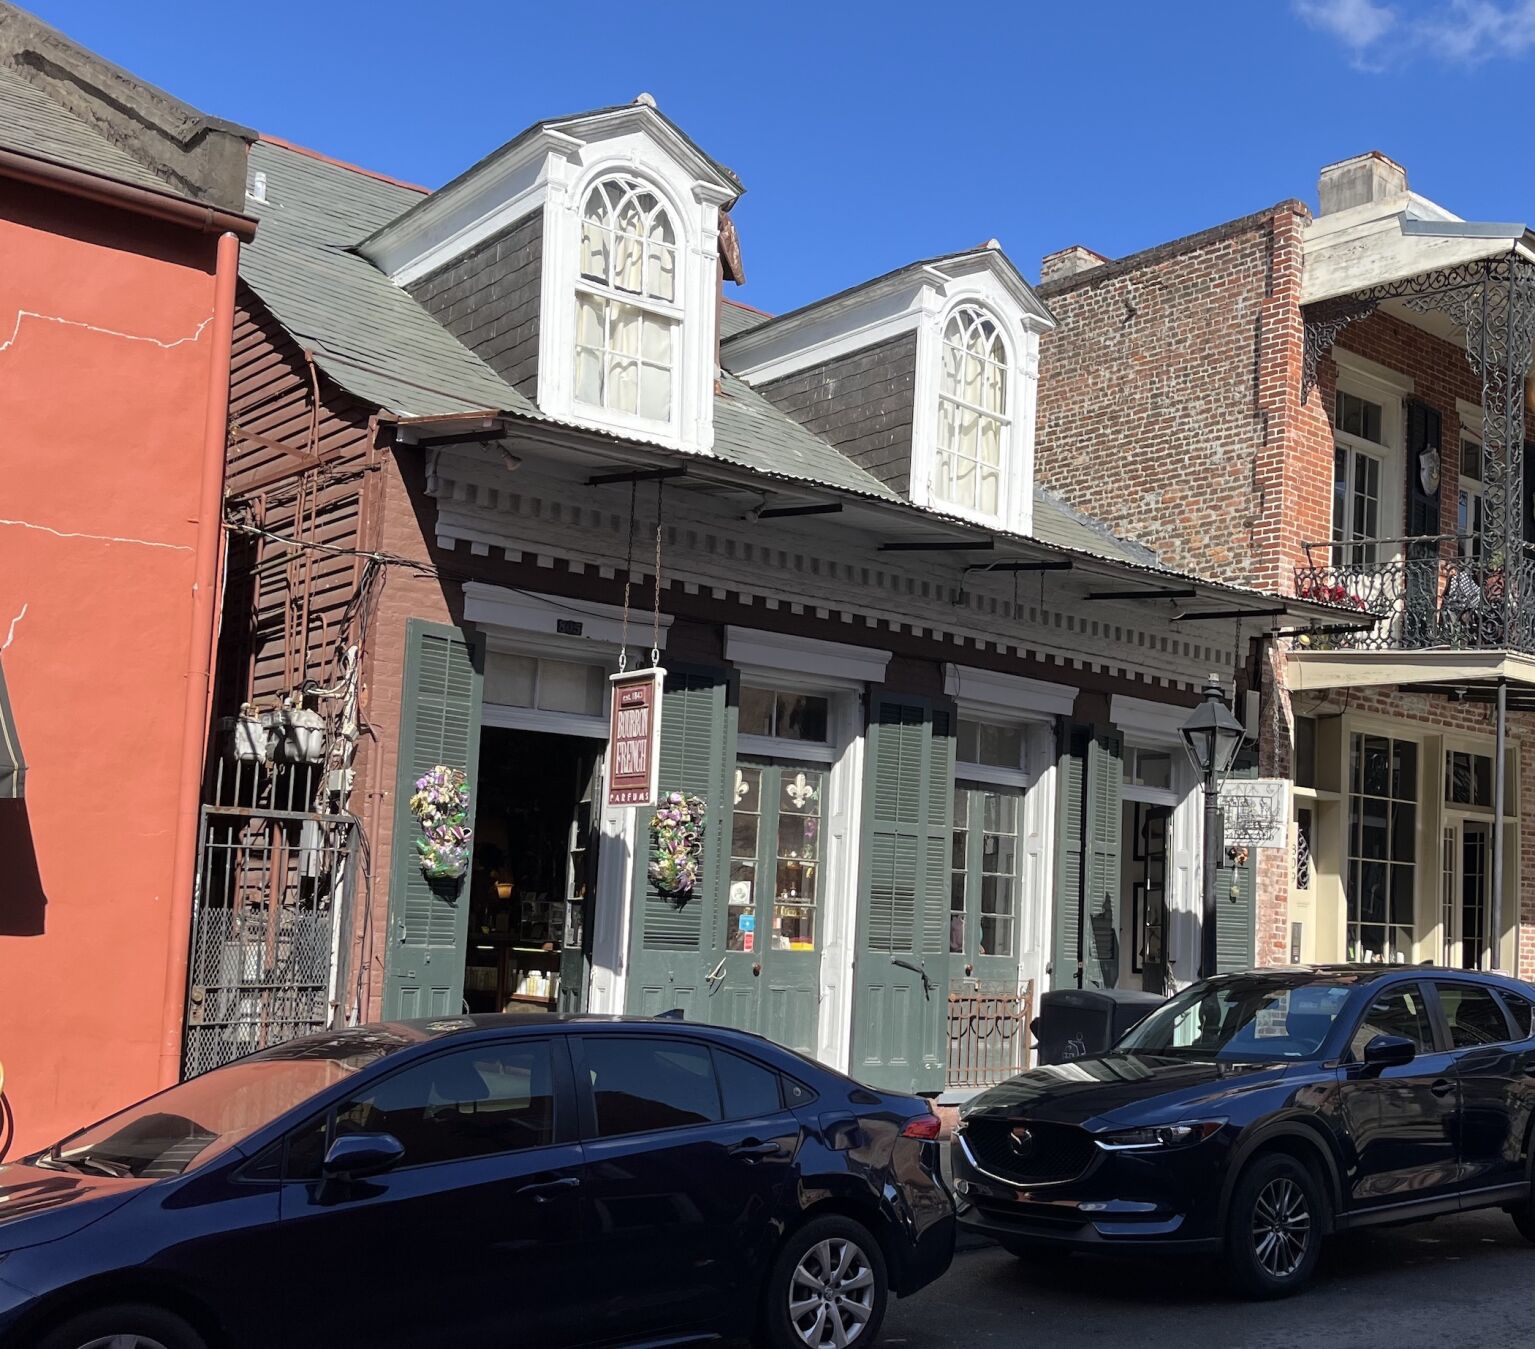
1449,593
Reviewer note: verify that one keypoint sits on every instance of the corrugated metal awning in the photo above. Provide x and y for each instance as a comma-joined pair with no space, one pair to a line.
13,768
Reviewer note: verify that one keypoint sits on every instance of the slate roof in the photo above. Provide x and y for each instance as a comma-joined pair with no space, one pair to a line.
377,342
737,318
366,333
33,123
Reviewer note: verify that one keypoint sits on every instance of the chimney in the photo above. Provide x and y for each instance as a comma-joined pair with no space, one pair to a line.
1068,262
1360,181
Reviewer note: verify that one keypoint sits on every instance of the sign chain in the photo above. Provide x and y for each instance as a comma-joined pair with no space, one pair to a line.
623,639
655,627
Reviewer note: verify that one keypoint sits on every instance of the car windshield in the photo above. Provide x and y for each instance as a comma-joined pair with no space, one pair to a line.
205,1116
1241,1020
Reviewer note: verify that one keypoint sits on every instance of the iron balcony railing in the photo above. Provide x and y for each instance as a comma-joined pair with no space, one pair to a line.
1450,592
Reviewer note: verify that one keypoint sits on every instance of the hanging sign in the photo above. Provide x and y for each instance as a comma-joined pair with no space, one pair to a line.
634,737
1256,811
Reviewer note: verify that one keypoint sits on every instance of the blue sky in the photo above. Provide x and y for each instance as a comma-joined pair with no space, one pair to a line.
869,135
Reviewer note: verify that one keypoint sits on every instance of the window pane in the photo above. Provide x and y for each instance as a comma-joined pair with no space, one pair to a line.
509,679
622,386
1481,780
472,1103
756,711
746,1088
801,716
662,281
639,1084
1473,1015
1339,495
967,742
1398,1012
564,686
655,393
595,246
745,826
1305,751
1404,770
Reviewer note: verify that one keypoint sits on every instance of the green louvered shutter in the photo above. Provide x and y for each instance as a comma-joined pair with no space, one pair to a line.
1104,879
899,1017
1236,900
1071,848
674,946
439,724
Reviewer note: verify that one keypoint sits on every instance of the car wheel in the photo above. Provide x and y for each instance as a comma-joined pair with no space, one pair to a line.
123,1327
1274,1229
827,1287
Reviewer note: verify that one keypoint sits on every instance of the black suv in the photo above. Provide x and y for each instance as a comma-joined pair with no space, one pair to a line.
482,1180
1254,1113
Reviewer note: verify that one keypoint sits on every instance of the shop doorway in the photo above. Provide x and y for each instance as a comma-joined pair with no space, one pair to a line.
1149,798
536,829
1467,869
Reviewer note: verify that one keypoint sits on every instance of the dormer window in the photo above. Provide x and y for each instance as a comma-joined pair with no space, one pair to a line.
627,316
972,414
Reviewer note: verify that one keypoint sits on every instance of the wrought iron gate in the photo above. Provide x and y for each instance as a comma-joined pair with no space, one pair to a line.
267,929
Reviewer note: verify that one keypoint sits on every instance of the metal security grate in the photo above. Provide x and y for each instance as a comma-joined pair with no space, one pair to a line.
266,923
988,1035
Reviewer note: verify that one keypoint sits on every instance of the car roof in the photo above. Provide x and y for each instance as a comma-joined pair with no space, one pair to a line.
1358,973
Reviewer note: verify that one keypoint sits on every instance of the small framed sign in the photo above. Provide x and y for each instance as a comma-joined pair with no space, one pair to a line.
634,737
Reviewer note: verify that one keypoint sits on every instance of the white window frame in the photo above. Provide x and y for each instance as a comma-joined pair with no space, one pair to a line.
1375,383
950,405
1472,430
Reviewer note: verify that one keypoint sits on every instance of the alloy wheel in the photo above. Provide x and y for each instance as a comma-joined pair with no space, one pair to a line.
831,1296
128,1340
1281,1227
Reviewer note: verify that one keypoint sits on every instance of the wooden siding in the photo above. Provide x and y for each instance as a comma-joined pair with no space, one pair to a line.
862,404
489,297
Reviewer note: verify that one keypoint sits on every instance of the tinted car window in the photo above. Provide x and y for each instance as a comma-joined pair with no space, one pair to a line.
469,1103
1473,1015
1523,1012
1398,1011
1244,1019
746,1088
640,1084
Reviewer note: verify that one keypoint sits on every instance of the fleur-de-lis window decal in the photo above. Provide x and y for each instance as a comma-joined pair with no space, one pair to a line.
743,788
799,791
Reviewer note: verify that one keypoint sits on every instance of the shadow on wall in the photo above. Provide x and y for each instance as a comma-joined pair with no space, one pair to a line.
1183,945
22,901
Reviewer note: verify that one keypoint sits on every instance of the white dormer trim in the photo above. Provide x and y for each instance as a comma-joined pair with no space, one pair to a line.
918,300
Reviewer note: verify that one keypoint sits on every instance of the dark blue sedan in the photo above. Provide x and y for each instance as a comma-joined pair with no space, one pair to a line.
486,1181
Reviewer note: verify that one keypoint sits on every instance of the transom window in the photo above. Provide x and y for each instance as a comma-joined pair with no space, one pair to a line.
1358,416
990,744
783,715
626,302
972,413
1467,778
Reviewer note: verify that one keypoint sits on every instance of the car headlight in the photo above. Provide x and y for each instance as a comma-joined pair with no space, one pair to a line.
1158,1136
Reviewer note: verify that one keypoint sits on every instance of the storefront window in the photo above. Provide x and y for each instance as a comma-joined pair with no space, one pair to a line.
1383,819
775,837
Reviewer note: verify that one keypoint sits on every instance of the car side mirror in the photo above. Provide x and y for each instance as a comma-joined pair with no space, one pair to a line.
1389,1051
353,1156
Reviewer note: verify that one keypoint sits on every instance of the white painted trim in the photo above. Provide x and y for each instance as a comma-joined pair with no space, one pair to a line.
506,717
1185,894
989,695
1037,881
1153,796
770,747
612,922
1380,380
496,607
990,775
1161,723
754,649
839,907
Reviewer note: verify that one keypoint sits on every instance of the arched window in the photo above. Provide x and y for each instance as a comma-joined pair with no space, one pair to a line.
626,301
972,413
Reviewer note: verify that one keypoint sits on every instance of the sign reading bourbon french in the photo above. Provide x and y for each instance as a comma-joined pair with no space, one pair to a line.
634,737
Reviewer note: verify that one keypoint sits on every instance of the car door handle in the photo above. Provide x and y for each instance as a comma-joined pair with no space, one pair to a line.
541,1192
751,1150
1443,1087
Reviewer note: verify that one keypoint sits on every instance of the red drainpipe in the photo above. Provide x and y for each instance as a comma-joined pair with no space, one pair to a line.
199,689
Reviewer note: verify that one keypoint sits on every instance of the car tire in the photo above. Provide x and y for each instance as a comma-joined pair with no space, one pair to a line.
1274,1227
1036,1252
858,1295
120,1326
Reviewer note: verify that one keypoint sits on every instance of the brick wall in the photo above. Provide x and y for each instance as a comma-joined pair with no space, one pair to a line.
488,298
862,404
1168,388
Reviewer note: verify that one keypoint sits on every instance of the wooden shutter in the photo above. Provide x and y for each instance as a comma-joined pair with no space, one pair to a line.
674,943
899,1016
1071,848
1236,900
439,724
1104,878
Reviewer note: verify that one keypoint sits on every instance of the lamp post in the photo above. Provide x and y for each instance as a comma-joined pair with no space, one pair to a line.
1212,737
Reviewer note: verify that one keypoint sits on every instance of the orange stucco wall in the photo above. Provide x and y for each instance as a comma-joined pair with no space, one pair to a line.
105,366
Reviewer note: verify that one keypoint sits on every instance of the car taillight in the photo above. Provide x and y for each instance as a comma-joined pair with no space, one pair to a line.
923,1126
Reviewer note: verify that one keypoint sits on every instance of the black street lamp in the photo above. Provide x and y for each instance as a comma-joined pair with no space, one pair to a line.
1213,738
